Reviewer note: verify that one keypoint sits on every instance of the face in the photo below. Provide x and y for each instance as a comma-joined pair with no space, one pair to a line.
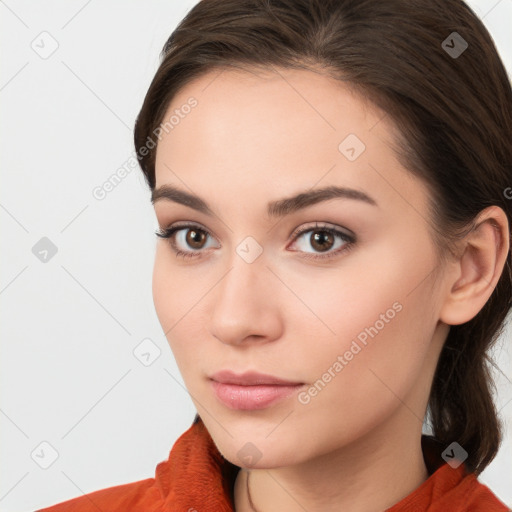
335,294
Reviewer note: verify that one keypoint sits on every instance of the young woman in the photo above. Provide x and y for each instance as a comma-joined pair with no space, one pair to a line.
332,182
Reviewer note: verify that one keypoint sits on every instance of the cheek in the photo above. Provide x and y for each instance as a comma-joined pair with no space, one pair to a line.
175,290
344,305
382,293
177,294
171,300
163,290
355,385
372,324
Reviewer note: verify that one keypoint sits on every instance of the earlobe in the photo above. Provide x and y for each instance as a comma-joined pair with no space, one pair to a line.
476,273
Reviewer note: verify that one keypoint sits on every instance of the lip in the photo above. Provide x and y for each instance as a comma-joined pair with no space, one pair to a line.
250,378
251,390
248,398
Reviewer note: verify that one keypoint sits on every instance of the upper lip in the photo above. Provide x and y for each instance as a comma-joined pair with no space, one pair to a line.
250,378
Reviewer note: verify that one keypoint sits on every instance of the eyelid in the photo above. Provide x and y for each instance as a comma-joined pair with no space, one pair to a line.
296,232
322,225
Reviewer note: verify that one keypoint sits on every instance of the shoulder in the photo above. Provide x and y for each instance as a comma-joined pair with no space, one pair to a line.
450,487
477,497
143,495
454,490
461,491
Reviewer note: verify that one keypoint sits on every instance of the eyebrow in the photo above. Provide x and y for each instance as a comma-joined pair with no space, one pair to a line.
279,208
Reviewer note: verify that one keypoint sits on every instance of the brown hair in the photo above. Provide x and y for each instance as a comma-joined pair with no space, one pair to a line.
453,113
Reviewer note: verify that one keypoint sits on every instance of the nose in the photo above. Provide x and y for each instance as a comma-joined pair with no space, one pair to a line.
245,306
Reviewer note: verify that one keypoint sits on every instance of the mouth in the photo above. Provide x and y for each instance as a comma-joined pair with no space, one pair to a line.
251,390
251,378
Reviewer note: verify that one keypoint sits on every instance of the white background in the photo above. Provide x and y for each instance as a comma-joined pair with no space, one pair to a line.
69,326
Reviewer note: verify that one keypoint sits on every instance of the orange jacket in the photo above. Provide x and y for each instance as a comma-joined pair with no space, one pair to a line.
197,478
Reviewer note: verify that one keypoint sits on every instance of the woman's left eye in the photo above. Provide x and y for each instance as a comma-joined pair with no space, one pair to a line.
322,238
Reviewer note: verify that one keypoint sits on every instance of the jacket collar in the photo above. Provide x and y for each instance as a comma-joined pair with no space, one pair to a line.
196,476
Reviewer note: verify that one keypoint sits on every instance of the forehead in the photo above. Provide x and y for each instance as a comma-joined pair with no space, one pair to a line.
279,127
305,103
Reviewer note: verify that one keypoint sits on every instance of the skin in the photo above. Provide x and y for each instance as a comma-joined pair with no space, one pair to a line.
254,138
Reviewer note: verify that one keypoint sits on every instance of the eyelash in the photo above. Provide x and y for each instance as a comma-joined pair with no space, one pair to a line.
348,239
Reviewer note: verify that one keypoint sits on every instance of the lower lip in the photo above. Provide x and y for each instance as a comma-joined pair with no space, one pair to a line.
250,398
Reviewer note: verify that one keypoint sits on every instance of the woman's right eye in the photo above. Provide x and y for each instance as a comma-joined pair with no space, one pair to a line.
189,234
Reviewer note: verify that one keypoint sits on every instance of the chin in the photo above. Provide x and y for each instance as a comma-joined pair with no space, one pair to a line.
252,451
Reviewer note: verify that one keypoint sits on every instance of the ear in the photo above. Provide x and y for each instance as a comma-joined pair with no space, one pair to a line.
475,273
